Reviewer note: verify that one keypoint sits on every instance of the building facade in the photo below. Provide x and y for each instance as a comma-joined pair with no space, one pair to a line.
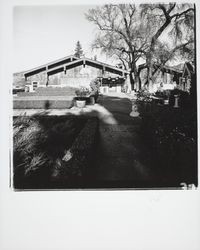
74,72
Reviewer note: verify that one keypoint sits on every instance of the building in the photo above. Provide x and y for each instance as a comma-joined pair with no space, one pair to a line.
187,77
74,72
169,77
164,77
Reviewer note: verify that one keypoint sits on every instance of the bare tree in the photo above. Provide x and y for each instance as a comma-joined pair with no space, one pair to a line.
131,32
177,23
121,35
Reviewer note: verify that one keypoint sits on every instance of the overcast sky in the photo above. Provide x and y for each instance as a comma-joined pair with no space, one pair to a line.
46,33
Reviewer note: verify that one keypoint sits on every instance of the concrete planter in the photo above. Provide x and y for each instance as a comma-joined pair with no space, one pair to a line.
80,103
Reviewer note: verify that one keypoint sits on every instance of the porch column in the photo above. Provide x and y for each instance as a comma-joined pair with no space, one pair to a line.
47,82
103,71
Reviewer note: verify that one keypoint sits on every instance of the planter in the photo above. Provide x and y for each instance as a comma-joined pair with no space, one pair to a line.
80,103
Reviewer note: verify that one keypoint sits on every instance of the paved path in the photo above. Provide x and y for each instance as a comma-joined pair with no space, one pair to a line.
118,154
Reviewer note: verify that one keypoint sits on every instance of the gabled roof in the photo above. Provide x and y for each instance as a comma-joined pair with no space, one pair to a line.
89,62
71,62
51,64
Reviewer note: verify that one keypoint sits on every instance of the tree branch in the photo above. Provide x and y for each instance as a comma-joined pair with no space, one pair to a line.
182,13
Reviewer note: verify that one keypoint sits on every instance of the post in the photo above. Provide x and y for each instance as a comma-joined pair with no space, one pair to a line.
176,101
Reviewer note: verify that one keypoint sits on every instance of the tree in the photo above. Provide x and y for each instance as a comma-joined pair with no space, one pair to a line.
176,21
120,35
130,33
78,50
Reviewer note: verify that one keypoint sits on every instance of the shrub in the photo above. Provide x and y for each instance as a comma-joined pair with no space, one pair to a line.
95,88
165,94
144,95
171,139
82,93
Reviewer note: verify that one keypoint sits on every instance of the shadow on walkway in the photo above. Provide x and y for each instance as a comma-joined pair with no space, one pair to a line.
118,151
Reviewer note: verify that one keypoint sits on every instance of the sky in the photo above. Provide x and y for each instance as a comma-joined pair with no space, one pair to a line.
42,34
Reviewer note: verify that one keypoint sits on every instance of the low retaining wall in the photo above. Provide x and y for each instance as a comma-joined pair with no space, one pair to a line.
43,103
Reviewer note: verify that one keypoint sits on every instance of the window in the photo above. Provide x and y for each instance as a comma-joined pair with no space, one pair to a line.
35,85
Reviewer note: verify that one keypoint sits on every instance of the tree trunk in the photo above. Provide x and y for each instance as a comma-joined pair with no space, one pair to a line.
132,81
150,72
134,71
137,83
150,75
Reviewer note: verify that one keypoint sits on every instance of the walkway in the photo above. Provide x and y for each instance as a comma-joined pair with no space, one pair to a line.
118,155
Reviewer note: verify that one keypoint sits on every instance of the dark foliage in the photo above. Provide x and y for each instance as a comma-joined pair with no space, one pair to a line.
171,138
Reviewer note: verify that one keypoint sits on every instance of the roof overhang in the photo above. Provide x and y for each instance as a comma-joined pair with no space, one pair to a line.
71,62
50,65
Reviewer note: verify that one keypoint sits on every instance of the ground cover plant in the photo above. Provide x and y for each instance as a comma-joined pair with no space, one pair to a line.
38,142
171,139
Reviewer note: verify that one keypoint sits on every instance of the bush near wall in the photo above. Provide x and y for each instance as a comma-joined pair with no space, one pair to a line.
171,139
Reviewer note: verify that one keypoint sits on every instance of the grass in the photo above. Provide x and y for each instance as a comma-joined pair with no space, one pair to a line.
38,143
